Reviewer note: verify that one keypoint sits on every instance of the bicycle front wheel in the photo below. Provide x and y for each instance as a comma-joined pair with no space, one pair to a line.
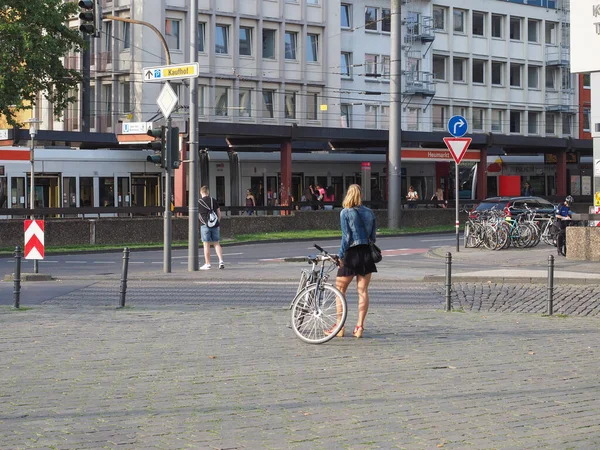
318,314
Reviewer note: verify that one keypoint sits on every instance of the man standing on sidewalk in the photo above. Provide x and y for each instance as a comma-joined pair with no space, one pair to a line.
210,231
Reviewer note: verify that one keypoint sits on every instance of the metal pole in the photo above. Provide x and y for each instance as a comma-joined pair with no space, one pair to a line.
456,194
17,279
395,135
193,147
85,86
550,284
448,281
167,215
124,277
32,189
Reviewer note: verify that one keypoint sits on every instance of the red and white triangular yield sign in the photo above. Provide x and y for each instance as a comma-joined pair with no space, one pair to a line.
34,239
458,147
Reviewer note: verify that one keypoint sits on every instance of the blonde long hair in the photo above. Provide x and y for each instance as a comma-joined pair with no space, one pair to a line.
353,197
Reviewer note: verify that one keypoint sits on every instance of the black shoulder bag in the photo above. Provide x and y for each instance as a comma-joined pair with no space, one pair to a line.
375,251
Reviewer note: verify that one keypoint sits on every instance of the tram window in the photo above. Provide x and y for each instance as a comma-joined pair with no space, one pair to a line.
221,190
69,192
17,192
107,191
86,191
123,193
3,188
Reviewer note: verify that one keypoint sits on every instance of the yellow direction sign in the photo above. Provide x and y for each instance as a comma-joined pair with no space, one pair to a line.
172,72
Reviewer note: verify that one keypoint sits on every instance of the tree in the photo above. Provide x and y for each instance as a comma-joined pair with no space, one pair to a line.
34,36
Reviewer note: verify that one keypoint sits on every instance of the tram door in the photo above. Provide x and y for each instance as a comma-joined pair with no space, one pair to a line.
3,192
123,192
17,192
338,189
145,190
47,191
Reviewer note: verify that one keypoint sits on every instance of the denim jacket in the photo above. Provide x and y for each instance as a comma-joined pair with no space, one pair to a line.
353,231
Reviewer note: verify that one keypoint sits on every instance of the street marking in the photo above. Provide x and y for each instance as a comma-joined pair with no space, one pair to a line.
76,262
136,262
45,262
437,240
103,262
278,259
404,251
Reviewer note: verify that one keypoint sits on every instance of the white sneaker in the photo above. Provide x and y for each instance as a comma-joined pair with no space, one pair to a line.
221,265
205,267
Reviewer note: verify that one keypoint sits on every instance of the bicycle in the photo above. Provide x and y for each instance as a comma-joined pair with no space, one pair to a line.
319,309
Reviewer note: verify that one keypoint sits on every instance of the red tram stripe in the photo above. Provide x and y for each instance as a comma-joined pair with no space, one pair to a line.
14,155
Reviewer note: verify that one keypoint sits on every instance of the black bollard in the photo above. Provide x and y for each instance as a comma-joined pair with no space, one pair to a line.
124,277
17,279
448,281
550,284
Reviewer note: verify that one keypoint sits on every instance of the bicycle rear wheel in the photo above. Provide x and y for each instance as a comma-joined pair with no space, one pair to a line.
318,314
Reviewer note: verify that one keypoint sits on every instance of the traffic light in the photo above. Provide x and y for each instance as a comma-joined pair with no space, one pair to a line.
174,159
91,17
159,145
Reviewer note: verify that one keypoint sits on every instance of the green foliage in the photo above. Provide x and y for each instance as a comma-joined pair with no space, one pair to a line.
33,39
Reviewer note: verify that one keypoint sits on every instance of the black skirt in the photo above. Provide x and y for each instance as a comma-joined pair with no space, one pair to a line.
357,261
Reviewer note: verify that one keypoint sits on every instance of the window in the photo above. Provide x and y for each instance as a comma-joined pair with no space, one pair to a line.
346,115
371,64
515,75
551,28
533,77
268,103
385,117
222,40
515,121
459,111
172,33
86,191
515,28
478,23
312,106
533,30
532,122
478,71
497,71
221,101
439,67
268,51
412,23
346,64
385,67
439,116
370,18
345,15
586,119
566,79
458,65
290,45
370,116
412,119
312,2
567,124
386,20
290,105
312,47
459,20
245,99
478,119
497,26
201,36
551,73
125,96
439,18
245,41
126,35
497,120
107,31
550,124
586,81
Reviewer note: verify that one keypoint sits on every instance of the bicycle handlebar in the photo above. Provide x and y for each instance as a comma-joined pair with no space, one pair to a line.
334,258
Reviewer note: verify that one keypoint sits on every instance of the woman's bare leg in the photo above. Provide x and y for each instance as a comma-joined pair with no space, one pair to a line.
362,283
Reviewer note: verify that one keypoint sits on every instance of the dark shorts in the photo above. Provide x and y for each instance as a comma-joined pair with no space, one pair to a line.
357,261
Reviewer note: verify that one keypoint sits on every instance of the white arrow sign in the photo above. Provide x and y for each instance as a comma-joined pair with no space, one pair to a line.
457,146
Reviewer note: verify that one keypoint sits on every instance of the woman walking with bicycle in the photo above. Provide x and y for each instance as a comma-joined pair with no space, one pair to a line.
358,229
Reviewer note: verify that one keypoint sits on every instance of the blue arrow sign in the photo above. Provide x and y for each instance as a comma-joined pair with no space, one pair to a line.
457,126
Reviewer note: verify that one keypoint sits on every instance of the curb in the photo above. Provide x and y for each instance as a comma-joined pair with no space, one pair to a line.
30,277
509,280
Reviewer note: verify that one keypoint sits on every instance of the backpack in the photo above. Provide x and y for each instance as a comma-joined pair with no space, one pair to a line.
213,219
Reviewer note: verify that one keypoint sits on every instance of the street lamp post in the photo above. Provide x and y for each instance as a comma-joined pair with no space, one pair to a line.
32,132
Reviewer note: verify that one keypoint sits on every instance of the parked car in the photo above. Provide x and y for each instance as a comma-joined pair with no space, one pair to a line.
514,206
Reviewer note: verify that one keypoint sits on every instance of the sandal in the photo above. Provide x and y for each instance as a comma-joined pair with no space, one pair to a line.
339,334
358,331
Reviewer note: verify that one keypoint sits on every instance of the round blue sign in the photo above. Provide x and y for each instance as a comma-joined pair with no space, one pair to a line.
457,126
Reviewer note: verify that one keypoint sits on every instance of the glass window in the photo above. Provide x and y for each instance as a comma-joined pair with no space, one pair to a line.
345,15
346,64
245,99
290,45
346,115
370,116
515,121
439,18
497,120
533,76
245,41
370,18
439,67
107,191
567,123
478,119
459,21
586,81
371,63
125,95
385,67
107,32
126,35
201,36
515,75
222,40
172,33
312,106
221,101
385,117
533,30
312,2
268,103
532,122
412,119
4,192
551,28
551,78
497,71
439,116
312,47
550,124
86,191
586,119
459,69
386,20
290,105
515,28
268,51
497,26
478,23
107,103
478,71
